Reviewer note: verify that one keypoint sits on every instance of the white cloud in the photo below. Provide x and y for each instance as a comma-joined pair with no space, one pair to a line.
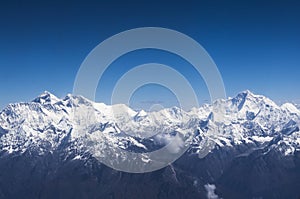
175,144
210,188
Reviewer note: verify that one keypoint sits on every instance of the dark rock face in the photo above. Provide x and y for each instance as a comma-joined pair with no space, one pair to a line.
51,177
259,174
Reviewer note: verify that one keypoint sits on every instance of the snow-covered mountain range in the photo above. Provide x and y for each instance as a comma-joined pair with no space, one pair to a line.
46,122
219,135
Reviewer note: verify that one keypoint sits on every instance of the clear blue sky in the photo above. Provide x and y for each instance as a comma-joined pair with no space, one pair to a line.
255,44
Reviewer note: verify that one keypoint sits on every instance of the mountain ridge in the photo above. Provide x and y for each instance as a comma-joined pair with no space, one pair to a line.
247,107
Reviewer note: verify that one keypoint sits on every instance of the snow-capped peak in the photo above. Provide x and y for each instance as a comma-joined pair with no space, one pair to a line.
141,113
46,98
248,96
290,107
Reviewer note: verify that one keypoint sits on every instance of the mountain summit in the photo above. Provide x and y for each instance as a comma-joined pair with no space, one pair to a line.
46,98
